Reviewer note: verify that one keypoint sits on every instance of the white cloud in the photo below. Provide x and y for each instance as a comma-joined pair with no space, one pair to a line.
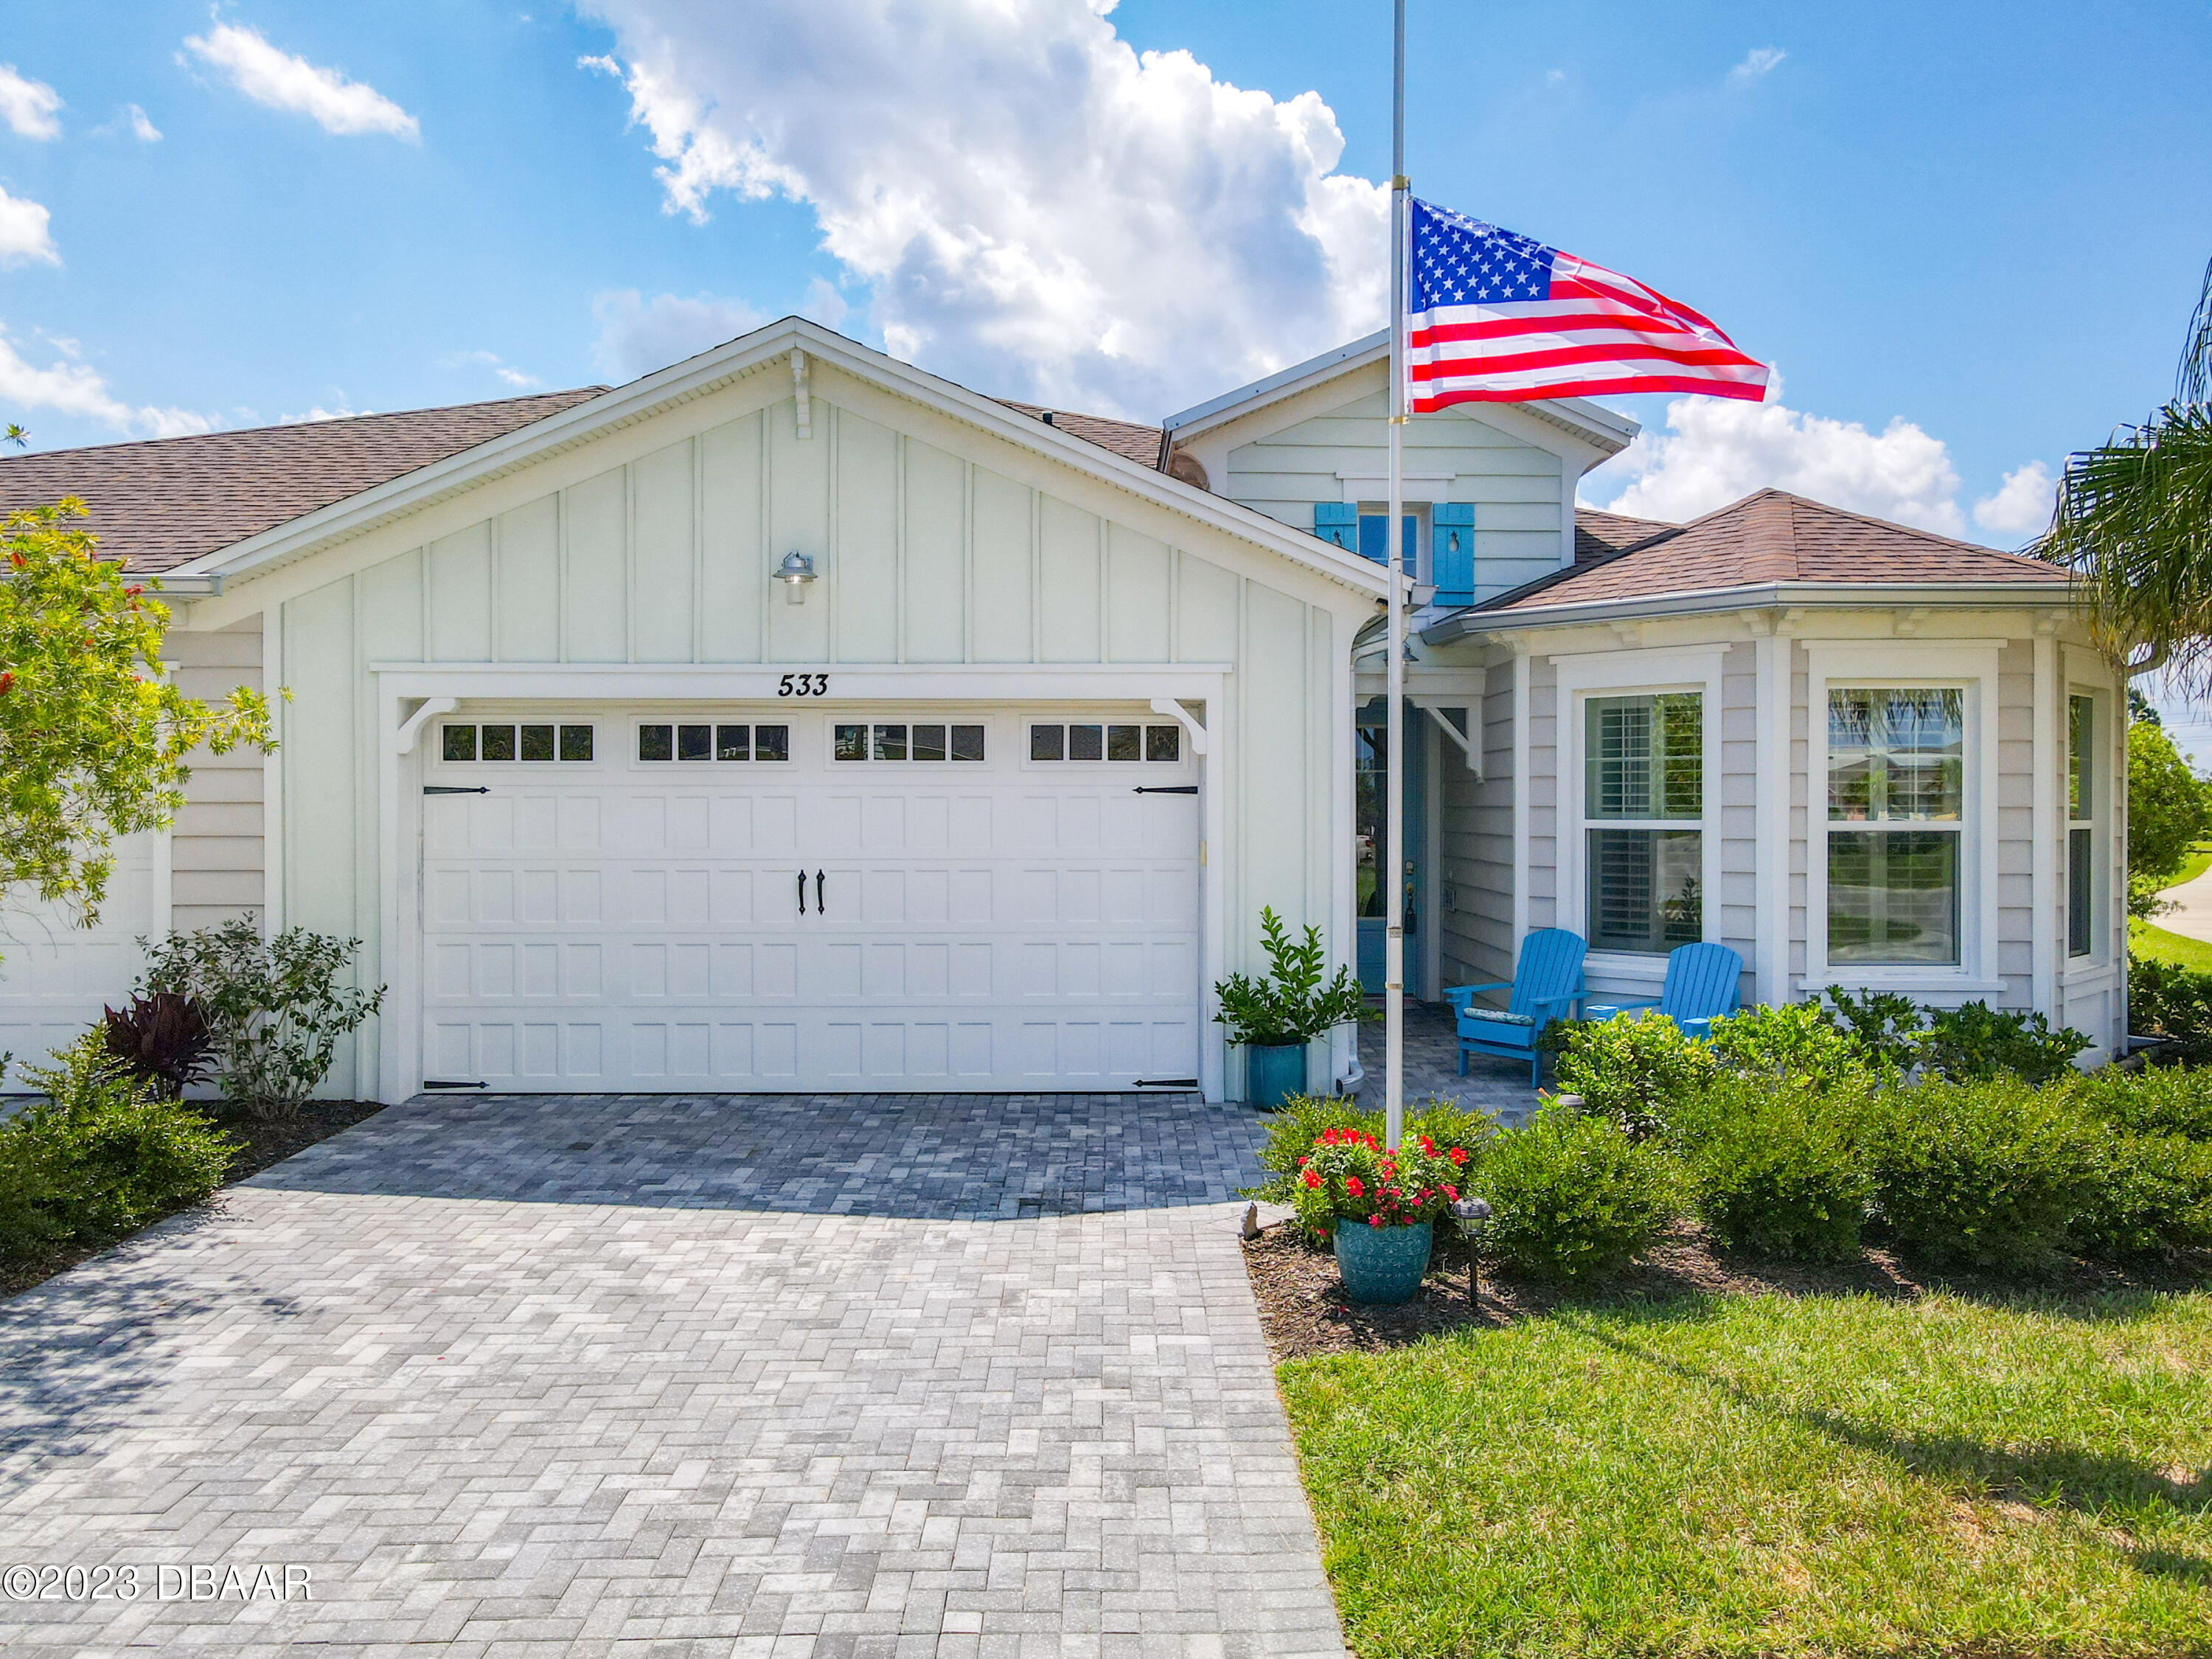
142,129
75,388
23,234
282,80
1758,62
824,303
636,336
1038,209
491,361
1717,450
2021,506
318,413
29,107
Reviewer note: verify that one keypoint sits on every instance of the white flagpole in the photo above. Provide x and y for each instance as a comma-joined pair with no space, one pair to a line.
1394,871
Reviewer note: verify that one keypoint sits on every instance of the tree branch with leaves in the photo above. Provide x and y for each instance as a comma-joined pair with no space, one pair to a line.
92,737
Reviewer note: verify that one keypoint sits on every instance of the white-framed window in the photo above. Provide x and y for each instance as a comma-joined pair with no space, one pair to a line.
515,741
1643,811
1639,833
2082,788
696,741
1105,740
904,740
1900,862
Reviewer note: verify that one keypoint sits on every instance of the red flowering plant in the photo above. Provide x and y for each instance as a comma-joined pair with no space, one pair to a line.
1349,1175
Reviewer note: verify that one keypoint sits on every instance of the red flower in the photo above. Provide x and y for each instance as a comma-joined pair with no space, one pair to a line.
1452,1193
1351,1185
1428,1147
1313,1178
1374,1221
7,681
1458,1155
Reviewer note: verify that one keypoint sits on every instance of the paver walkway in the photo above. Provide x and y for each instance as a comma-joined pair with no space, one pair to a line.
974,1378
2191,915
1497,1086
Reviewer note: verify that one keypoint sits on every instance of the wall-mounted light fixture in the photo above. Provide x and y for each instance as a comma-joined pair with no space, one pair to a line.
795,573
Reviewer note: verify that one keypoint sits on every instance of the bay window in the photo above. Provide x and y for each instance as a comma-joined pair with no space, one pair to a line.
1896,823
1642,810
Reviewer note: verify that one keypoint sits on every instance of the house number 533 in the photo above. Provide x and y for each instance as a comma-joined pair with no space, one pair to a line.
803,685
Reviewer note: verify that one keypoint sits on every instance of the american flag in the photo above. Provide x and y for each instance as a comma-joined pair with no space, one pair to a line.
1492,316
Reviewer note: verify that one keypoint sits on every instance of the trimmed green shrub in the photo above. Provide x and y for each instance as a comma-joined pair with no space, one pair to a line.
1775,1166
2167,1000
1986,1174
99,1157
1796,1040
2159,1100
1572,1195
1976,1041
1885,1024
1633,1069
1303,1119
2147,1196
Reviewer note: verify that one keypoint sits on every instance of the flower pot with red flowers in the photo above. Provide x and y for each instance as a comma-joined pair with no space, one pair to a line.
1378,1207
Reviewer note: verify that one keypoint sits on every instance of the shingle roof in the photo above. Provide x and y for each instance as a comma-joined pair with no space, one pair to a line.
162,502
165,501
1771,536
1140,444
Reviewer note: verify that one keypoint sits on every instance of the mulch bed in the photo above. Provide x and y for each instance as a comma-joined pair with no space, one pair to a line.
261,1144
1304,1312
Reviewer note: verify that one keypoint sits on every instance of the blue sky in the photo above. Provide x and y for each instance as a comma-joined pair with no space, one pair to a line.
1968,235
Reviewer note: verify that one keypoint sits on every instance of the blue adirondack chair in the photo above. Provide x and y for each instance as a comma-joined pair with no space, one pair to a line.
1546,984
1703,984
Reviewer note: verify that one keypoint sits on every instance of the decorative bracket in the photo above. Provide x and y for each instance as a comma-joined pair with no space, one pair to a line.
798,391
1435,708
1182,717
401,742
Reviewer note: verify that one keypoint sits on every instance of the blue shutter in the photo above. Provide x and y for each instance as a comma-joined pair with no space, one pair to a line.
1338,522
1452,558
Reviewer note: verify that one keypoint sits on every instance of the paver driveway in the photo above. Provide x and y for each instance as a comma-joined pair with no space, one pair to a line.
779,1377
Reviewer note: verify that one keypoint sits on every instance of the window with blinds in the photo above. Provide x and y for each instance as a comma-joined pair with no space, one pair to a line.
1643,806
1896,819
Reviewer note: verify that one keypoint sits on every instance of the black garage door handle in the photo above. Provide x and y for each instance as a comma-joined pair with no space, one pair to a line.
802,892
820,909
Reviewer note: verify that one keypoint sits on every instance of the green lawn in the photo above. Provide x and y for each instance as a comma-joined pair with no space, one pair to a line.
1768,1476
2198,861
2146,940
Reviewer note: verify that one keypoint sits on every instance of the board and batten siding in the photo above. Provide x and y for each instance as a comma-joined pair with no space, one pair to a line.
1515,488
215,862
632,551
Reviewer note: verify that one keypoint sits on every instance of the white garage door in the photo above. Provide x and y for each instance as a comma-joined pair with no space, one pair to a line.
778,899
56,977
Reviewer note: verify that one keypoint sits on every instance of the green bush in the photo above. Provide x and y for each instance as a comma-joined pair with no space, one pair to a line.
99,1157
2147,1196
1796,1040
1633,1069
1572,1195
1986,1174
1301,1121
2159,1100
1885,1024
1976,1041
2167,1000
274,1007
1775,1164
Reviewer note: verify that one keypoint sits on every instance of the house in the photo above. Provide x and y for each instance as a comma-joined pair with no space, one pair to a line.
792,720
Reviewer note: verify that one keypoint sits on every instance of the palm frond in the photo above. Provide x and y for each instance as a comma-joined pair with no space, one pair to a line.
2193,385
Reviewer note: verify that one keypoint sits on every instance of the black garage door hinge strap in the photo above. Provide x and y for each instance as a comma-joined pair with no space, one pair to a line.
1167,1082
1167,789
449,1083
454,789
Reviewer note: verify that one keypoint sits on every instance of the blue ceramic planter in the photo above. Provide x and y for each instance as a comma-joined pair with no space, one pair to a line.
1274,1072
1382,1264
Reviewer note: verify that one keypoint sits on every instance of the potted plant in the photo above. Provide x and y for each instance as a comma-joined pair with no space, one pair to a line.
1377,1207
1275,1017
